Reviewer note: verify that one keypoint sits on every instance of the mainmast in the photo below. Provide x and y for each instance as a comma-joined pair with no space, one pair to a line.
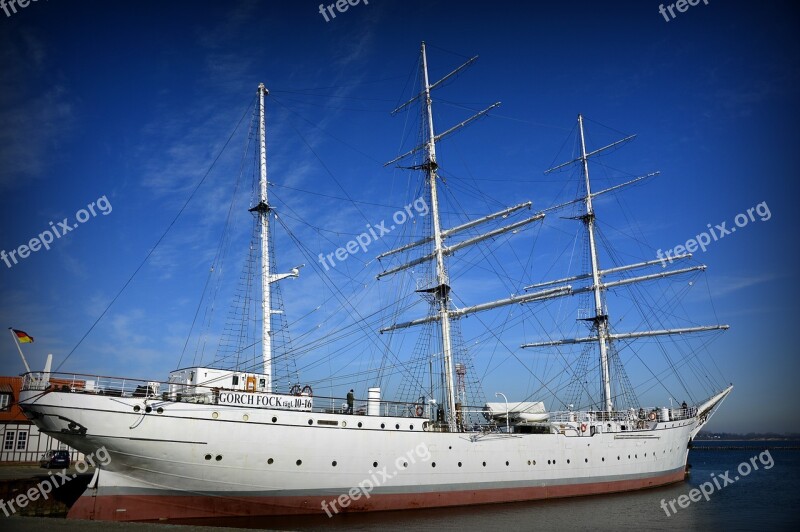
441,291
267,278
600,318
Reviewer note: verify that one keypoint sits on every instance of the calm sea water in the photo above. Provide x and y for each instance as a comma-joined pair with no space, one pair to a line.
764,500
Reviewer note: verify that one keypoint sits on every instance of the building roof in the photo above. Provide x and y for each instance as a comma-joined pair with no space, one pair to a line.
12,386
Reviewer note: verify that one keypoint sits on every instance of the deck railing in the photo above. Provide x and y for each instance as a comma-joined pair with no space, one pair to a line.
165,391
161,391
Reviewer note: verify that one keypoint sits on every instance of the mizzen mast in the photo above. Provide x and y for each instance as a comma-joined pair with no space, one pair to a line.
263,210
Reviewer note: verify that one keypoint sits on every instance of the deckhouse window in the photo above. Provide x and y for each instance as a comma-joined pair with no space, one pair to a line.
235,380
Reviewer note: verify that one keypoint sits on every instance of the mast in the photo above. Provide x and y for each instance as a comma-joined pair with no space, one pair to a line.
267,277
600,318
442,290
263,218
603,336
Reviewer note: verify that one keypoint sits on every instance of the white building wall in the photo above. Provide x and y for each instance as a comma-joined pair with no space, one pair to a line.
22,442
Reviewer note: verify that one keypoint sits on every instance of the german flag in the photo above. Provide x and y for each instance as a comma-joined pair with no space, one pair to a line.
23,337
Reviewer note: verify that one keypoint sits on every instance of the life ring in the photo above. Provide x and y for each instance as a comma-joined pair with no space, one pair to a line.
652,416
295,390
419,410
583,427
307,391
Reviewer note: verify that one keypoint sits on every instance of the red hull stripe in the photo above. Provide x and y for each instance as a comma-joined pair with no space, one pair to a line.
180,507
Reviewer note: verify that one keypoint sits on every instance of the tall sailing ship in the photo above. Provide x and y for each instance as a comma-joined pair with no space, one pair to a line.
213,442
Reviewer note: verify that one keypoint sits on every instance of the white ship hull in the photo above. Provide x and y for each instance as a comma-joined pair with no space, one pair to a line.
204,460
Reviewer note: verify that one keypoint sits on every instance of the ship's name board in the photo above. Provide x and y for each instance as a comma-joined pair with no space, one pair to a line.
266,400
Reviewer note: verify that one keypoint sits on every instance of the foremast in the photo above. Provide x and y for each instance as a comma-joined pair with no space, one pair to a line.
263,210
603,336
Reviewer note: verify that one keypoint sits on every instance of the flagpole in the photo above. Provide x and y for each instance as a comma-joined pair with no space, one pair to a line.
27,367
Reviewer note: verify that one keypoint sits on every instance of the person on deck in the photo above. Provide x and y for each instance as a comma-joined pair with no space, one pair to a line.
350,400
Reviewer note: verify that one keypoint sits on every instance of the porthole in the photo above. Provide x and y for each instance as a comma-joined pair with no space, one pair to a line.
160,410
214,415
567,460
554,462
548,462
270,461
148,409
310,421
137,408
586,460
411,427
344,424
484,464
459,464
207,457
333,463
617,457
636,456
245,417
405,464
274,419
603,459
218,458
360,424
374,464
383,425
299,462
534,462
529,462
433,464
506,463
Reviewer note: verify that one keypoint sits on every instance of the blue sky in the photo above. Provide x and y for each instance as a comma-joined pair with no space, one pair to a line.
132,101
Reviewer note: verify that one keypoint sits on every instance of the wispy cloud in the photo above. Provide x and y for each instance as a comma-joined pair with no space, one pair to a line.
35,111
727,285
